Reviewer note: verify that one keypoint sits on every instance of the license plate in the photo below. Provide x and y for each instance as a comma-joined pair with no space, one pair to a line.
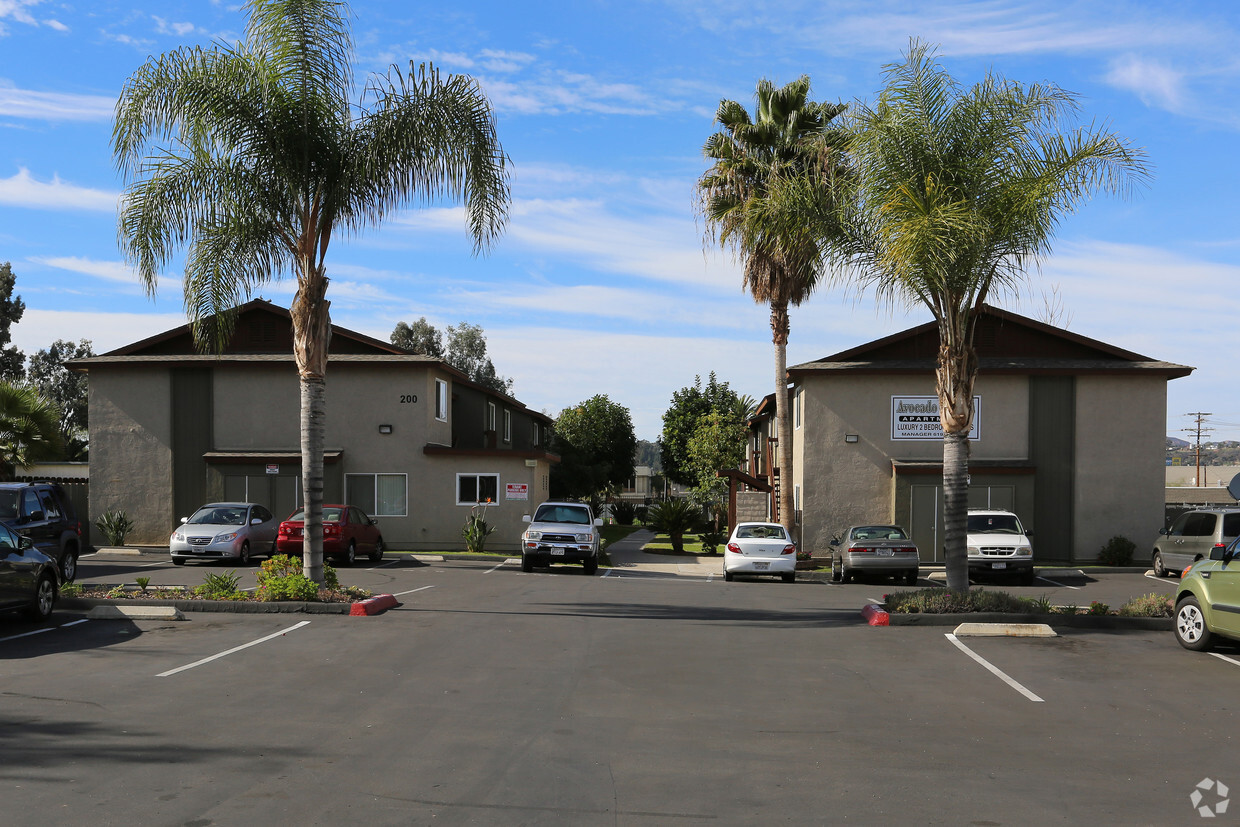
886,552
557,552
998,565
761,566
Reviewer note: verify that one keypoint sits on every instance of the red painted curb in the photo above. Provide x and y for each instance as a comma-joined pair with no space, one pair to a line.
873,614
372,606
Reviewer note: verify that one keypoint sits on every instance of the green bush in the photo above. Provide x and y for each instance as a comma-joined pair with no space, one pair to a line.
1117,551
624,512
674,518
476,530
115,526
711,540
1097,607
281,578
943,601
1148,605
218,586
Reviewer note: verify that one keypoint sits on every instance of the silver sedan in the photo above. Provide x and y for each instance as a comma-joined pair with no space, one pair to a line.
876,549
224,531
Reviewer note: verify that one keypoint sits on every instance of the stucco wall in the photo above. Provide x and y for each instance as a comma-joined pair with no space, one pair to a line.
1120,465
130,449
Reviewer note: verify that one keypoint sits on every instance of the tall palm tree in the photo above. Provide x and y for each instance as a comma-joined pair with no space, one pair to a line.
256,155
29,427
771,173
957,191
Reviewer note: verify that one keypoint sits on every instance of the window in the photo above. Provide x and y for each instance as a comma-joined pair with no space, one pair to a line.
441,399
535,434
381,495
796,408
491,417
796,504
472,489
507,426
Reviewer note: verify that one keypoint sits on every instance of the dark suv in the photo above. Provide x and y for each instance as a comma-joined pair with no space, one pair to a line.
43,512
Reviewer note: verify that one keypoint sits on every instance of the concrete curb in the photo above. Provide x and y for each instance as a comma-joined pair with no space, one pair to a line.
373,606
1111,623
85,604
1004,630
135,613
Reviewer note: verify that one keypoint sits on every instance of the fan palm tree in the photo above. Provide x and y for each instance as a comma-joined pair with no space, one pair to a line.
770,174
957,191
254,156
29,427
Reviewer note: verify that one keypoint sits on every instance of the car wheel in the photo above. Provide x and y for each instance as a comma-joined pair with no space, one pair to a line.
590,564
1025,578
846,576
275,548
350,554
910,578
44,598
244,557
837,573
527,565
789,576
727,576
68,565
178,561
377,554
1159,569
1190,625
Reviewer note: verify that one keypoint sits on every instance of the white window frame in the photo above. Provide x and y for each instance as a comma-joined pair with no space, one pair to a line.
796,409
490,423
441,400
534,431
796,504
375,479
476,476
507,425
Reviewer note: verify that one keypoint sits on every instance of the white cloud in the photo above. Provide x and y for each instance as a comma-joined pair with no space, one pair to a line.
180,29
116,271
106,331
53,106
23,190
1154,83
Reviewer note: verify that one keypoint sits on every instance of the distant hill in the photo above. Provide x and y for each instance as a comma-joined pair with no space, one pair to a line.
1226,452
1176,442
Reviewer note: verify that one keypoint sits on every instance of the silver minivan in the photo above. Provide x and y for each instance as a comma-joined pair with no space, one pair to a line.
1192,536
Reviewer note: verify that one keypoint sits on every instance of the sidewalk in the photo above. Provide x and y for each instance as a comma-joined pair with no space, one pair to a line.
628,554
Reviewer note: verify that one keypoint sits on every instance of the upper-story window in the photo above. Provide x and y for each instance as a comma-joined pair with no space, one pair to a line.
491,417
507,426
441,399
535,434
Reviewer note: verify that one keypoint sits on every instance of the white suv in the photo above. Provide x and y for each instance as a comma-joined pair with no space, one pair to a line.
998,543
561,533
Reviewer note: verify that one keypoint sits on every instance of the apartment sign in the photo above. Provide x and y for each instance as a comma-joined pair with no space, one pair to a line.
917,417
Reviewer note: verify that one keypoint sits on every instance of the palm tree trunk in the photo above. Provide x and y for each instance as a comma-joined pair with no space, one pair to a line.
311,331
783,422
955,373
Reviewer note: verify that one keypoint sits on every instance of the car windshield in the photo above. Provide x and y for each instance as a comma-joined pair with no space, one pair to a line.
330,515
993,524
8,505
577,515
218,515
760,532
883,532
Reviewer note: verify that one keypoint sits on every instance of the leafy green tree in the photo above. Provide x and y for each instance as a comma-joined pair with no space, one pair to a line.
681,419
595,442
957,191
754,198
28,429
419,337
717,444
12,360
65,390
255,156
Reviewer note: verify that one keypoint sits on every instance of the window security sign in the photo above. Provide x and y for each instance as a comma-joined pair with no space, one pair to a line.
917,417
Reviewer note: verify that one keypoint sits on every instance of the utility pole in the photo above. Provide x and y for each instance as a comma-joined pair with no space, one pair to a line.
1199,428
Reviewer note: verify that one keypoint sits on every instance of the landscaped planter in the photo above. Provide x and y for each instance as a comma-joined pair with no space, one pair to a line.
876,616
369,606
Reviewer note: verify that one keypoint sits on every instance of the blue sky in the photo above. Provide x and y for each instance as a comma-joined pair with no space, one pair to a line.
601,282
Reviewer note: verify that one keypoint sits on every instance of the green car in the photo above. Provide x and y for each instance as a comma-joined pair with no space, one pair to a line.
1208,601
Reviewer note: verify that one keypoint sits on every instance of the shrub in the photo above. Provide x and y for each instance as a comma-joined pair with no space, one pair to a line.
641,513
711,540
475,531
281,578
1117,551
624,512
674,518
1148,605
115,526
943,601
1098,608
218,586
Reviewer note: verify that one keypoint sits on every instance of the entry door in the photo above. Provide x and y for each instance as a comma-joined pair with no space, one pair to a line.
279,493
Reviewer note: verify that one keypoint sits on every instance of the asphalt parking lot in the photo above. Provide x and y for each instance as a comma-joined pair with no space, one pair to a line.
495,697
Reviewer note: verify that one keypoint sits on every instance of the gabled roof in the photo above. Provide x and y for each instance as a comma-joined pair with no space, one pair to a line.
1006,342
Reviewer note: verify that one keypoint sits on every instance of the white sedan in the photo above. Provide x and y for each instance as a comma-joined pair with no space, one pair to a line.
760,548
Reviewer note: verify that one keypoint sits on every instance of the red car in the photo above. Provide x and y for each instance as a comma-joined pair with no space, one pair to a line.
347,532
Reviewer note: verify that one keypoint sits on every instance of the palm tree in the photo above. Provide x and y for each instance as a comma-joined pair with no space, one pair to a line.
29,427
957,191
754,199
256,155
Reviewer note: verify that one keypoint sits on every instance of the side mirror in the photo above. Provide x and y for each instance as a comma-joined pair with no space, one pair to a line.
1029,532
1163,531
836,541
25,543
526,518
373,521
185,519
256,521
598,520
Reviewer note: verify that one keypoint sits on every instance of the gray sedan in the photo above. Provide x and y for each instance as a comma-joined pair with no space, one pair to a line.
874,549
225,531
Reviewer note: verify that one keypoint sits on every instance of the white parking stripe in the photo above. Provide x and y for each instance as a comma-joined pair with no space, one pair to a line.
232,650
411,591
501,565
45,629
1224,657
1057,583
994,670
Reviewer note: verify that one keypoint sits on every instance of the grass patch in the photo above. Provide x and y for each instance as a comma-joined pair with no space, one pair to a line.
662,544
612,533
